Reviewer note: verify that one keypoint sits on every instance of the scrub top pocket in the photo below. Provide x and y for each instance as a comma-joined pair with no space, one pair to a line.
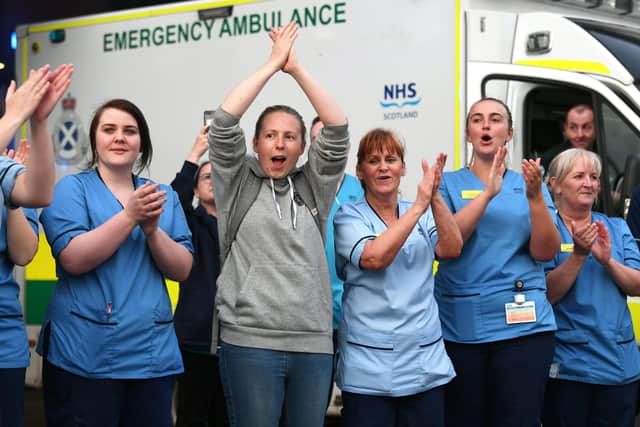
366,364
92,341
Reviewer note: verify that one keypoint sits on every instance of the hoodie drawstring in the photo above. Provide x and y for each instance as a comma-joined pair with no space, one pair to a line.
273,194
294,208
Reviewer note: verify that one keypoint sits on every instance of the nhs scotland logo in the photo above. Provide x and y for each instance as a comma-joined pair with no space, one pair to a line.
400,96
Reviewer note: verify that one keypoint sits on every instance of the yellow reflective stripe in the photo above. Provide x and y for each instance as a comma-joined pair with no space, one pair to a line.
43,266
25,56
568,65
136,15
458,94
174,290
634,307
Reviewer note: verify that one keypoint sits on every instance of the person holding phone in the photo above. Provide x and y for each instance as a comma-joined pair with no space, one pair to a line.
200,395
274,293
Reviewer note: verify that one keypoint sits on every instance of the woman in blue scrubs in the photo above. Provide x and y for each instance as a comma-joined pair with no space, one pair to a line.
392,363
594,376
108,339
27,181
497,322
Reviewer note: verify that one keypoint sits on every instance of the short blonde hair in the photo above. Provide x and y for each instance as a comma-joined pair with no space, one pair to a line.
562,164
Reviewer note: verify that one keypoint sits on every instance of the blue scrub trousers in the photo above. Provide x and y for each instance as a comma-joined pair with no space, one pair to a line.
74,401
424,409
260,385
576,404
499,384
12,397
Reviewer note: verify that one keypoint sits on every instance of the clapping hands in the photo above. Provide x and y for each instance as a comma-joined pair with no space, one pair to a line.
37,96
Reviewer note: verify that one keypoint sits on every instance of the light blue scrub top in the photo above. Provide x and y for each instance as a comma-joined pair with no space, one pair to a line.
390,341
114,321
14,346
350,192
595,342
472,290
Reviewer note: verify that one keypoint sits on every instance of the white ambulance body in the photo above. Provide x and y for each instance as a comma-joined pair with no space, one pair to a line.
410,65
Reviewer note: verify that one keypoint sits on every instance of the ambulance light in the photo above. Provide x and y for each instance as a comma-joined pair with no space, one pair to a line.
57,36
14,41
216,12
539,43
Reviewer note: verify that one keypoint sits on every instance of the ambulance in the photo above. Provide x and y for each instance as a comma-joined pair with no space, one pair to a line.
413,66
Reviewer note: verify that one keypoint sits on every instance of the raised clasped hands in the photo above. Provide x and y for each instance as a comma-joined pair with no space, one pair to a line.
532,173
583,237
37,96
430,182
593,237
59,81
601,249
22,102
283,54
494,181
144,206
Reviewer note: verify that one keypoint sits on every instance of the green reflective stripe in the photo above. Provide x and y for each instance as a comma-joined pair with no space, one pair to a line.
37,294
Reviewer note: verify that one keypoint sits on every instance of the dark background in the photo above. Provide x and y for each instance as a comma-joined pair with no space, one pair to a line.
17,12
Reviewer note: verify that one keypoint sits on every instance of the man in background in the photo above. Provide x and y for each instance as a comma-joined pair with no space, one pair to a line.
579,132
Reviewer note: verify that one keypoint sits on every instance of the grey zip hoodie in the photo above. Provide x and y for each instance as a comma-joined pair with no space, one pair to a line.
274,290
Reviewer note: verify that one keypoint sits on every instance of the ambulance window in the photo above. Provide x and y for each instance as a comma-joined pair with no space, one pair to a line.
626,51
624,98
622,42
545,108
621,140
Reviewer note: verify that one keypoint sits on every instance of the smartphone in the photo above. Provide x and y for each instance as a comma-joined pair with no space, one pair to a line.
208,117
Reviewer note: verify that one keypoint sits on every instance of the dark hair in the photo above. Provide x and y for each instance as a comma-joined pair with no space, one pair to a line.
145,139
579,109
488,98
314,122
196,177
280,109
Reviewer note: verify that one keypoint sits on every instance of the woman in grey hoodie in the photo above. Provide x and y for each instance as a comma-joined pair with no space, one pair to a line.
273,306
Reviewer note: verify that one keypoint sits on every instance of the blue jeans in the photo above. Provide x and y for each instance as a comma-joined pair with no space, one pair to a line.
261,385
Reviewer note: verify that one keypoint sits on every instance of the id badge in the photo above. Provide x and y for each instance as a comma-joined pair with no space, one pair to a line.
520,313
